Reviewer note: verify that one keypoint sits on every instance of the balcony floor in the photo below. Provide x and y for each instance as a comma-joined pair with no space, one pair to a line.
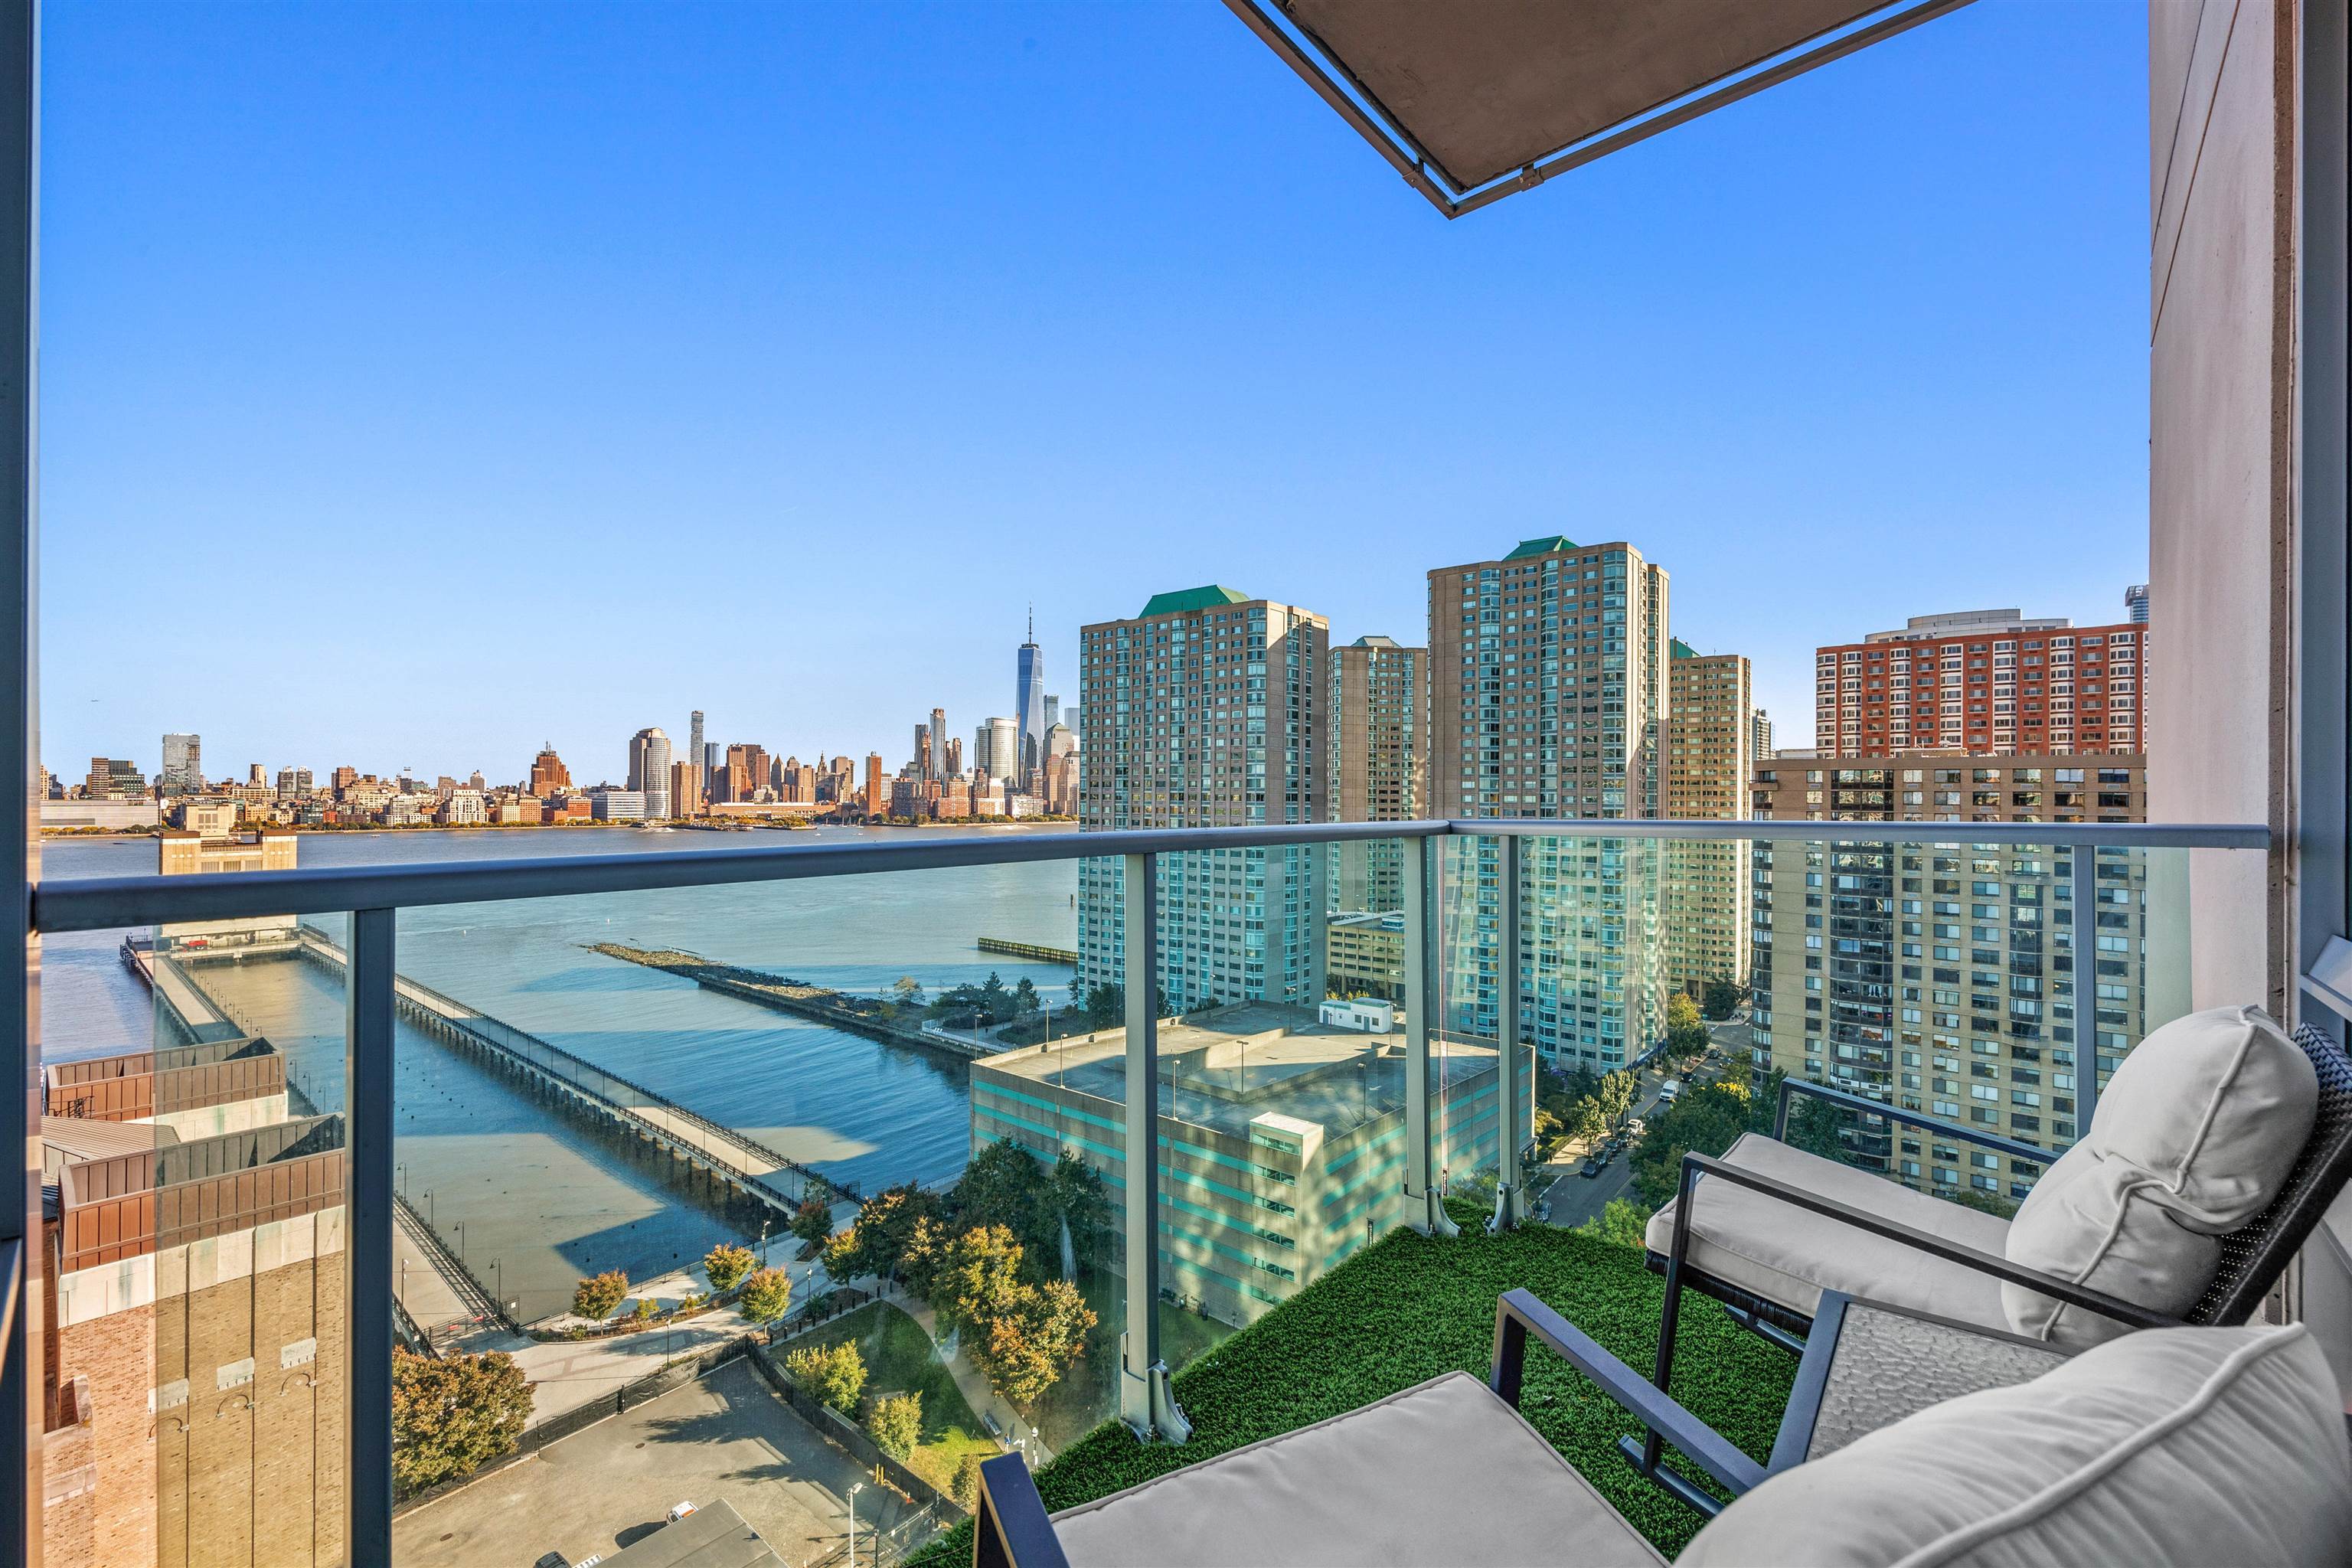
1413,1307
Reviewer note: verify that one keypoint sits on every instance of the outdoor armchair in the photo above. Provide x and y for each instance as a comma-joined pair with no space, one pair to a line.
2190,1447
2217,1147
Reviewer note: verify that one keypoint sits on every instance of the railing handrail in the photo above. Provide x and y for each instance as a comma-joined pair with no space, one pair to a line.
105,903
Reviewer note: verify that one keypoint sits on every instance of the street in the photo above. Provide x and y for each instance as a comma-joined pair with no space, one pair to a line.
1572,1199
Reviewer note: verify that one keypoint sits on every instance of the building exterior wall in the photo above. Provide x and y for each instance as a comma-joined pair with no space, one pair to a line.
1377,736
1208,711
1710,741
1980,686
1246,1220
1941,976
1547,697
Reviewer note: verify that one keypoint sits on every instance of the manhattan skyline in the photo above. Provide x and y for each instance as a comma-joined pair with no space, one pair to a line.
837,432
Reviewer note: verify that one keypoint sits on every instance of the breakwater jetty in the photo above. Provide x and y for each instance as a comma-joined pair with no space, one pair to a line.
864,1016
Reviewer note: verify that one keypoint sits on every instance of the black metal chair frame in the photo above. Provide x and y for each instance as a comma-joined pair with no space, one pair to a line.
2252,1257
1012,1529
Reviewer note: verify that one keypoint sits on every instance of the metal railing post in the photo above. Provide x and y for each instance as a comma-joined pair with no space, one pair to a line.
1145,1402
368,1331
1424,1208
2085,942
1510,1189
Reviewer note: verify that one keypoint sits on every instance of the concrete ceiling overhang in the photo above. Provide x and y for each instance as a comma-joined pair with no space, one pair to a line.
1472,99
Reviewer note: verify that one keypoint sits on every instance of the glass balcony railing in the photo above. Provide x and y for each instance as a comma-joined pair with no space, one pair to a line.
751,1176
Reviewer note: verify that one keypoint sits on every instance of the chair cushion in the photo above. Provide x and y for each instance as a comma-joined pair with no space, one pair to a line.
1786,1254
2173,1449
1444,1472
2193,1137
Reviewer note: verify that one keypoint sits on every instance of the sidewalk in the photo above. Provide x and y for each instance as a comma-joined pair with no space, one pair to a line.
985,1400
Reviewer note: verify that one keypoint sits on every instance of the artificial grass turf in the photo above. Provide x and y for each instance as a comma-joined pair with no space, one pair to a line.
1412,1307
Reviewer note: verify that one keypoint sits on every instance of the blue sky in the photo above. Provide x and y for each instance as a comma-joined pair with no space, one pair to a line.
421,383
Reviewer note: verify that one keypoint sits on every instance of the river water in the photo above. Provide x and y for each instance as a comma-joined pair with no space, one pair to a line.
537,1195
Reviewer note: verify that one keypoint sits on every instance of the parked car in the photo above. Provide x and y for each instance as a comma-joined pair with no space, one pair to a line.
1636,1127
1670,1092
1592,1163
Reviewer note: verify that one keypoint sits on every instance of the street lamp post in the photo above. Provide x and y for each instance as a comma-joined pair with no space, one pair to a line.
855,1488
461,1241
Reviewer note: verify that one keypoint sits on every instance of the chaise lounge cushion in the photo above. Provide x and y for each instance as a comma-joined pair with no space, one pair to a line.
1444,1472
1786,1254
2173,1449
2193,1137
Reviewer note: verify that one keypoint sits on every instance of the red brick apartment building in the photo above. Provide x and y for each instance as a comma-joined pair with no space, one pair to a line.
1987,682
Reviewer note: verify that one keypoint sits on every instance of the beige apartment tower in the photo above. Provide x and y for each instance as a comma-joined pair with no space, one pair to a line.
1378,745
1710,741
1207,710
1548,699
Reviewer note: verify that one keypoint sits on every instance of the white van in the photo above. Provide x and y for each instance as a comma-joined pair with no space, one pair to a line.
1672,1092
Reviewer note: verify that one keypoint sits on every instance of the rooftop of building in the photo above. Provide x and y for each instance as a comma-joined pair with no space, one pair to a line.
1187,599
1224,1068
1544,546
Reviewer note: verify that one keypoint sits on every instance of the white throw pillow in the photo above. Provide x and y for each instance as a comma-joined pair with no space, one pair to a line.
2193,1137
2174,1449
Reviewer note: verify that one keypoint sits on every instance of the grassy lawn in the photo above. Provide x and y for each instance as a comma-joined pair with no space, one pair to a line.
898,1360
1412,1307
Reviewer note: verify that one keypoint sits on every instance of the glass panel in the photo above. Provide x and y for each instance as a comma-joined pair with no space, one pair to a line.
196,1414
756,1177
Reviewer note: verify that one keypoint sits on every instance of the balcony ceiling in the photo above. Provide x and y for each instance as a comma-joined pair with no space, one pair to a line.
1472,92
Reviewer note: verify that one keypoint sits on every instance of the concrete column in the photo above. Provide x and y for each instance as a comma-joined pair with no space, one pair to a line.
1145,1402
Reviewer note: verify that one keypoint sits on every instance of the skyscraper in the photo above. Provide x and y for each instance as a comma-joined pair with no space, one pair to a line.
696,757
548,773
1548,699
877,788
939,769
1761,735
1053,711
1376,743
183,769
649,771
1004,750
1709,771
1207,710
2136,603
1029,711
926,765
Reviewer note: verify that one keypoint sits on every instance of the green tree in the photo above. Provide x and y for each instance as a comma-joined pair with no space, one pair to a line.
1685,1031
1724,995
835,1374
977,1279
451,1416
1003,1185
907,991
1617,1091
1587,1123
1024,997
897,1424
1082,1203
767,1295
726,1264
1107,1005
600,1295
1033,1339
812,1221
877,1238
1622,1223
965,1487
1707,1119
1974,1198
